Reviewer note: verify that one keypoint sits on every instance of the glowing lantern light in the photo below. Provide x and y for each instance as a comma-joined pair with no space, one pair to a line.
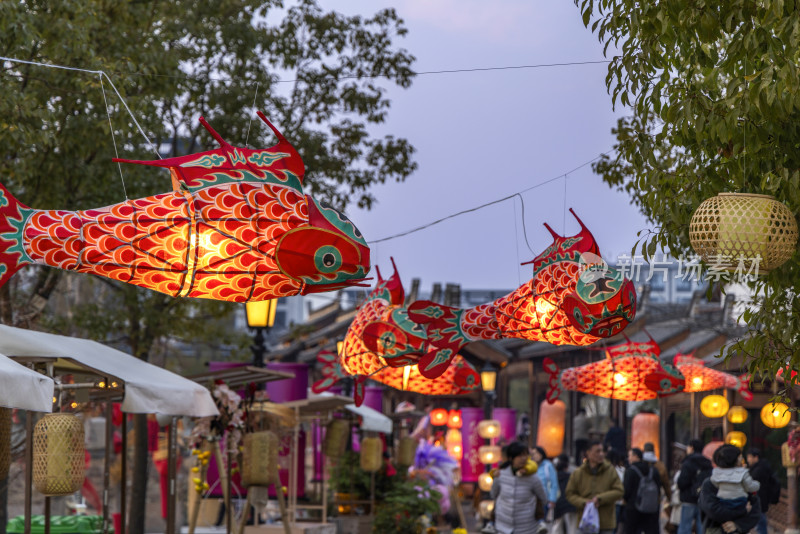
485,509
489,428
776,415
489,454
237,227
452,441
550,432
438,417
714,406
737,415
645,429
702,378
261,314
454,419
734,227
485,482
736,438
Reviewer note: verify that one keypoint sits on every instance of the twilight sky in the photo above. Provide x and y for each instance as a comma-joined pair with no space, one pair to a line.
482,136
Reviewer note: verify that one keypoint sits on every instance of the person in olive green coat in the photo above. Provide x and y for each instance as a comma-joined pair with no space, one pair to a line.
596,480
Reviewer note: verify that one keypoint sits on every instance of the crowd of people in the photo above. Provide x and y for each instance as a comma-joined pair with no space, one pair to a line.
632,493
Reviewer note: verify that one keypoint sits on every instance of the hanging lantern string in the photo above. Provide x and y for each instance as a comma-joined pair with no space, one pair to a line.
247,137
564,212
113,137
516,241
486,205
101,73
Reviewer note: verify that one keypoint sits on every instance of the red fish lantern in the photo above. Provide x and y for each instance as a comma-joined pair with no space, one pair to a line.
382,322
574,298
702,378
630,371
236,227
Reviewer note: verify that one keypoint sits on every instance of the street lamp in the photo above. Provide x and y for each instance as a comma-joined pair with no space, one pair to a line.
488,383
260,316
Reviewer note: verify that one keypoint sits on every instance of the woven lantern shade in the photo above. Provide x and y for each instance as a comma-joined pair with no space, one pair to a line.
406,451
371,454
775,415
58,454
5,441
260,458
714,406
489,454
736,438
550,431
485,482
645,429
737,415
336,434
731,226
489,428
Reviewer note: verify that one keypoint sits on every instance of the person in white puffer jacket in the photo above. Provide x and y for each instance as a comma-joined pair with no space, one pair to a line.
515,494
732,478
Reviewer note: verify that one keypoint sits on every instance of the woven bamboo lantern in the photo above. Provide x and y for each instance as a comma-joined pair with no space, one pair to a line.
645,429
371,454
775,415
406,451
485,482
550,432
489,454
489,428
259,458
714,406
731,226
5,441
736,438
737,415
336,434
58,454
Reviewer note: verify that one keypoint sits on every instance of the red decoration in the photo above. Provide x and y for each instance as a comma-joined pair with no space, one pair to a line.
631,371
236,227
382,324
574,298
701,378
454,419
438,417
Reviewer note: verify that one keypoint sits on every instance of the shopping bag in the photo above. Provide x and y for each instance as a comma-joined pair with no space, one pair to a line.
590,520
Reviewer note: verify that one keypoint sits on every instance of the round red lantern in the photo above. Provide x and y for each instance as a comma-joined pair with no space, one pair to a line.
550,431
454,419
645,429
438,417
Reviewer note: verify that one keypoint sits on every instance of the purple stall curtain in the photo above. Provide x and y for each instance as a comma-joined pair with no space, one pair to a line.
290,389
508,424
471,466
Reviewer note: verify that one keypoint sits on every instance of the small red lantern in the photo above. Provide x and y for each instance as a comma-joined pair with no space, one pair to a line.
438,417
454,419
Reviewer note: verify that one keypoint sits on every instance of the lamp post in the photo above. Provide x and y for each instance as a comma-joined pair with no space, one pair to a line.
488,384
260,316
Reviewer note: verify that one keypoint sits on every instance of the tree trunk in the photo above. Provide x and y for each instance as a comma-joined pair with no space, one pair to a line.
136,512
3,505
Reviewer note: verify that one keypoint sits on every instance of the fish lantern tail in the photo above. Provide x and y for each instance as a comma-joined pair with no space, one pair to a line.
552,369
332,372
13,215
744,390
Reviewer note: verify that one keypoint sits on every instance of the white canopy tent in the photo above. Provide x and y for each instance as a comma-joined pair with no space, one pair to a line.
371,419
24,388
147,388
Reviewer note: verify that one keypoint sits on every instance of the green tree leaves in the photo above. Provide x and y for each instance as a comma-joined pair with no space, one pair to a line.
714,91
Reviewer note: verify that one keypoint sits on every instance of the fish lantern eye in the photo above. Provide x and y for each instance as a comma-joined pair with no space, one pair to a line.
327,259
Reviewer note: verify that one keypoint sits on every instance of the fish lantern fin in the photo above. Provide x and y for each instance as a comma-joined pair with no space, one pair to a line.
13,215
280,164
358,390
744,390
332,372
552,369
434,363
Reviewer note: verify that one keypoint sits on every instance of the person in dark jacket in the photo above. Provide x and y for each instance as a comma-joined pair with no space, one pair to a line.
762,472
637,522
615,439
721,519
694,469
565,521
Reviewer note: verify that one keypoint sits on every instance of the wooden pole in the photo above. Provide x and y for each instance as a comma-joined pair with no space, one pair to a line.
457,502
107,463
247,505
29,415
124,478
282,505
202,475
171,459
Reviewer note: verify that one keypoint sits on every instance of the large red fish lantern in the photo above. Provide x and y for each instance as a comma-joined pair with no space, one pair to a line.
702,378
382,323
236,227
630,372
574,298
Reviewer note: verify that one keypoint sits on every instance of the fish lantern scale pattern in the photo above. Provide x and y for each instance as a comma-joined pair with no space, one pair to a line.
702,378
236,227
630,372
